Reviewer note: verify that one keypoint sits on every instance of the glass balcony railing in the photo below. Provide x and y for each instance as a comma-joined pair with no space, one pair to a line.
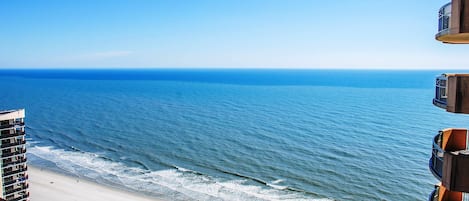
436,161
441,99
444,20
452,93
434,195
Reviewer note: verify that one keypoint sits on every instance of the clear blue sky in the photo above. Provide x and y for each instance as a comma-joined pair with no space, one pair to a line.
377,34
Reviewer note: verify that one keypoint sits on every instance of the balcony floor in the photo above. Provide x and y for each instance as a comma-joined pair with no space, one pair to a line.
461,38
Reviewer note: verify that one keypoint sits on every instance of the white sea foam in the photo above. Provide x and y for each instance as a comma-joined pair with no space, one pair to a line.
277,181
274,184
279,187
174,184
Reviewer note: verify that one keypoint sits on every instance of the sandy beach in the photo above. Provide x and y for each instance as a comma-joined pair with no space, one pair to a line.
49,186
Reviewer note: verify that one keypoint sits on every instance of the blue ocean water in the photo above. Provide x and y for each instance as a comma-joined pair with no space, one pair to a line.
235,134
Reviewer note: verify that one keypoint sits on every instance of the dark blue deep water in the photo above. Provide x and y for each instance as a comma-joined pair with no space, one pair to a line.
235,134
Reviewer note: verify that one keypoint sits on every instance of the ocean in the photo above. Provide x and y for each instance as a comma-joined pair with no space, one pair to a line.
233,134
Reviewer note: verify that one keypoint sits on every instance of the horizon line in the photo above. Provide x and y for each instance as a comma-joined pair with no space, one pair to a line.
228,68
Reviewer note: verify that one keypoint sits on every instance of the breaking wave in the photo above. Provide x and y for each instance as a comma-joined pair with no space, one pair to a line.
176,183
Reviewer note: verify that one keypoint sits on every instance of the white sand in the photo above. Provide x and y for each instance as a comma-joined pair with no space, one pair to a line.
49,186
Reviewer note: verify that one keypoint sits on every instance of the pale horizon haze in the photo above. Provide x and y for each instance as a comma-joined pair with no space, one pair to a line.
346,34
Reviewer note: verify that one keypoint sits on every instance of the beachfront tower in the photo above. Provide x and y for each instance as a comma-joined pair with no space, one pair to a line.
449,162
14,182
453,22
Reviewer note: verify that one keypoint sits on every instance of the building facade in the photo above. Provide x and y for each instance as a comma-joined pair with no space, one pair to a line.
449,162
14,182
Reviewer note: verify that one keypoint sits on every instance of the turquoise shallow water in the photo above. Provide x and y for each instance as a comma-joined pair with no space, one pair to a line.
235,134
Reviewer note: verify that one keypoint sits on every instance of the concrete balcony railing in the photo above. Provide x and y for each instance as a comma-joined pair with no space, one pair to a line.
9,173
11,154
20,133
16,162
20,142
22,197
23,187
8,182
11,125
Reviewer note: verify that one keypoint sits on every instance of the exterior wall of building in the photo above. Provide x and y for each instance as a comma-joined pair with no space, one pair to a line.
13,168
459,17
455,17
465,16
12,114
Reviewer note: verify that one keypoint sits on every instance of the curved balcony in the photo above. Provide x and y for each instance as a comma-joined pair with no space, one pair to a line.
433,196
442,194
452,26
446,142
450,159
440,99
444,19
452,93
436,161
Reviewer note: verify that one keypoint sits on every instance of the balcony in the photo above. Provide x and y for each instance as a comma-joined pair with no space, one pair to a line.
436,161
446,142
9,173
452,93
452,22
433,196
16,162
440,99
14,190
18,198
20,142
442,194
8,182
16,153
4,136
11,125
450,159
444,20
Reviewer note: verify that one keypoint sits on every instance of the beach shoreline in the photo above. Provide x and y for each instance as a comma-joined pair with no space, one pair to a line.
46,185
